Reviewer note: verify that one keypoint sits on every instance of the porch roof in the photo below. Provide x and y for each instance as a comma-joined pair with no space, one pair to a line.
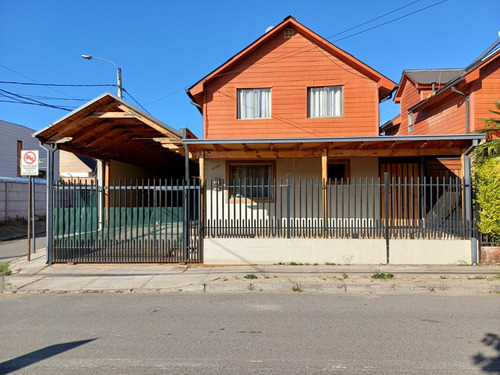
374,146
108,127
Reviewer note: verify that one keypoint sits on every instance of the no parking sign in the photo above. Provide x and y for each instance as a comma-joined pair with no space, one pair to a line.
29,163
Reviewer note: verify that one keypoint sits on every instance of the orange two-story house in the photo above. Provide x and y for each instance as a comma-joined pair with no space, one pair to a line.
291,149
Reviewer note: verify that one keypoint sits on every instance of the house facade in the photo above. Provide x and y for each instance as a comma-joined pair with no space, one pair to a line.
447,101
294,167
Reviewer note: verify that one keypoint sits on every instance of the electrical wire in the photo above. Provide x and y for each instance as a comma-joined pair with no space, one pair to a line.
56,84
25,100
139,104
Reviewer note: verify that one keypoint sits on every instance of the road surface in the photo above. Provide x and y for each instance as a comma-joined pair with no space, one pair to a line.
250,333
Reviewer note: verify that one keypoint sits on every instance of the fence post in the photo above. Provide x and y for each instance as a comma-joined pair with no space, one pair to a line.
386,211
287,205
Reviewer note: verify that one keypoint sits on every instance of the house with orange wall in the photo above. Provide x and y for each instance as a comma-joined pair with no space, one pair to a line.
294,169
447,101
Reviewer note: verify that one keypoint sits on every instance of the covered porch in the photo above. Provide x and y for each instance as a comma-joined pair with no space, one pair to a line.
337,200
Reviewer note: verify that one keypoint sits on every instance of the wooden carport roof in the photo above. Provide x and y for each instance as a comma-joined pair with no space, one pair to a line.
110,128
390,146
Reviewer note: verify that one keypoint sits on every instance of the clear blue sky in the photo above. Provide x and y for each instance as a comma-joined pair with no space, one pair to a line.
163,47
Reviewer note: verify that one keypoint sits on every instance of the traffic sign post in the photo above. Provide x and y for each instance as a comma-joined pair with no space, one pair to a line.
29,167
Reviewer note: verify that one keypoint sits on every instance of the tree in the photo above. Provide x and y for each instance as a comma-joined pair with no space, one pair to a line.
487,176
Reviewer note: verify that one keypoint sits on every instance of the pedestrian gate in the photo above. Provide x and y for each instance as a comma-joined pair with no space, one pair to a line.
127,222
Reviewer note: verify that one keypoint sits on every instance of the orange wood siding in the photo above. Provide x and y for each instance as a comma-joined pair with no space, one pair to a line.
486,94
289,67
409,98
446,118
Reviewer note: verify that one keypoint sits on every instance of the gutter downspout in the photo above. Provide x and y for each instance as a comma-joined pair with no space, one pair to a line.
467,108
49,239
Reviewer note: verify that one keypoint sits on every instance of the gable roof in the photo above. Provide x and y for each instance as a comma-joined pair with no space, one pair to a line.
430,76
385,85
424,78
108,127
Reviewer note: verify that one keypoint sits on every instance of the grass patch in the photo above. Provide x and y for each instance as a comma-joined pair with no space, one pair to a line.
443,277
4,269
250,276
330,264
382,275
477,278
296,288
296,264
344,275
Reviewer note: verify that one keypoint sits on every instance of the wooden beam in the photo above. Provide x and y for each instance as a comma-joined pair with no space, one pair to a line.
148,122
219,148
264,154
397,152
112,115
244,147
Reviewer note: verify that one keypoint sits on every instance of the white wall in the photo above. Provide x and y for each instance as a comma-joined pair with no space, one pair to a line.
306,201
338,251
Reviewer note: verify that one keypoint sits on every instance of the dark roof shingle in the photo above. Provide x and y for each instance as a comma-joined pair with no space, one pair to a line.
430,76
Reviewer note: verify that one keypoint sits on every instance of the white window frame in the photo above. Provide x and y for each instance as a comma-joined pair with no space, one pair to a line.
254,103
410,122
325,101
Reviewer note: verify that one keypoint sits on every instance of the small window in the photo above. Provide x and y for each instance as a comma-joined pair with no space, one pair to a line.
339,170
410,122
325,101
250,181
19,149
289,33
254,103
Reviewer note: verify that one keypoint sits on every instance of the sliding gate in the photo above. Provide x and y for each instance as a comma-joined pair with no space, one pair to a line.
127,222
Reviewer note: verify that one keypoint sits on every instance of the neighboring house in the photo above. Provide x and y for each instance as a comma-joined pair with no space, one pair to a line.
295,167
15,138
447,101
14,188
75,167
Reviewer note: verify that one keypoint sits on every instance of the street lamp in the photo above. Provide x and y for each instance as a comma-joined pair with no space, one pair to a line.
118,72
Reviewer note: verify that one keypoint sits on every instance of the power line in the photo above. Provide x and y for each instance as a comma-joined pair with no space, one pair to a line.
391,21
25,100
57,84
139,104
31,79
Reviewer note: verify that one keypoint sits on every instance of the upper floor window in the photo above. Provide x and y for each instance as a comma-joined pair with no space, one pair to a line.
410,122
254,103
326,101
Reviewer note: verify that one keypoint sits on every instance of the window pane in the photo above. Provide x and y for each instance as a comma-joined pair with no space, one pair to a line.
254,103
249,181
325,101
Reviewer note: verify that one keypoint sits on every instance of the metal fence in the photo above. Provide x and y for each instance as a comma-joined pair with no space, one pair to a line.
127,222
353,208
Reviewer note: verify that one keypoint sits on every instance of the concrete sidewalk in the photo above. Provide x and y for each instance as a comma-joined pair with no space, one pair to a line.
36,277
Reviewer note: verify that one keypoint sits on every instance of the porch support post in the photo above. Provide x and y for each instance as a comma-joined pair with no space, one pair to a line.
202,187
324,179
469,224
186,206
50,206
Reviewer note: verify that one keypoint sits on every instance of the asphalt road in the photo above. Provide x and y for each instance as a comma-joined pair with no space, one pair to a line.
10,250
243,333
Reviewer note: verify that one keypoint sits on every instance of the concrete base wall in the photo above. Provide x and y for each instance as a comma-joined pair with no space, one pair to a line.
14,200
275,250
430,252
338,251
